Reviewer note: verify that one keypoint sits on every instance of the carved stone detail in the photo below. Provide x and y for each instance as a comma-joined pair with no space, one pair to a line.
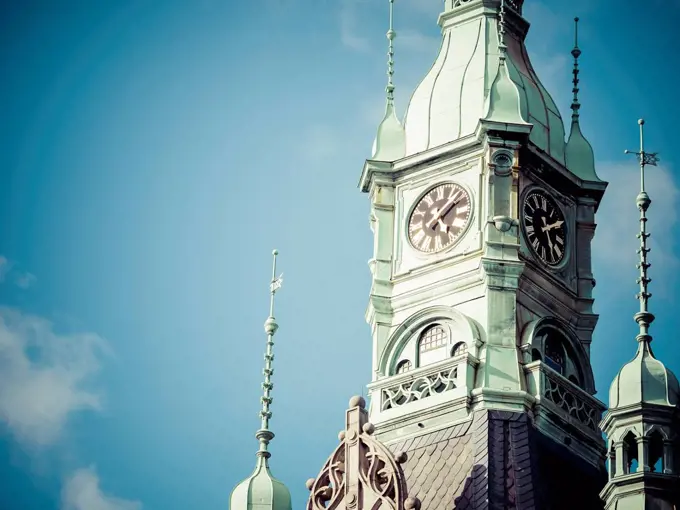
361,473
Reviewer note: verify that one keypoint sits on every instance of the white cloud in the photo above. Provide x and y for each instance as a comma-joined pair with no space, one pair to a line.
43,376
5,267
614,244
82,492
9,271
349,35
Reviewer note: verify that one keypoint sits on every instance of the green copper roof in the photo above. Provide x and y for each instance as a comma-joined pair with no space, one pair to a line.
644,380
260,491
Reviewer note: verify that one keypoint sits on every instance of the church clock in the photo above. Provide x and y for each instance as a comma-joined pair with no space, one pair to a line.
544,227
439,218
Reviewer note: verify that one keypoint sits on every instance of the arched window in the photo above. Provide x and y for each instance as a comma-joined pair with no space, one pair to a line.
432,344
459,348
630,452
612,461
556,350
404,366
656,452
554,353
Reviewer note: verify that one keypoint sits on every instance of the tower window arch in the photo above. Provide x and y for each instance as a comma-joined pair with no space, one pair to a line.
404,366
432,344
459,348
555,349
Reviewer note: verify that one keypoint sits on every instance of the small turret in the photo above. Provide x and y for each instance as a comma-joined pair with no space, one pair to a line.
579,154
644,414
261,490
390,142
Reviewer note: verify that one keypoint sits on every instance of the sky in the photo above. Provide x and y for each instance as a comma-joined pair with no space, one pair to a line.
153,153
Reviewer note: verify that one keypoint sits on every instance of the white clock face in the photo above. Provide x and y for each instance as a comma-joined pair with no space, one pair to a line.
439,218
544,226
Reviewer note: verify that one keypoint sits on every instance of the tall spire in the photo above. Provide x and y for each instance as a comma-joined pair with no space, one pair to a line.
576,53
644,317
264,435
390,142
579,154
261,488
391,34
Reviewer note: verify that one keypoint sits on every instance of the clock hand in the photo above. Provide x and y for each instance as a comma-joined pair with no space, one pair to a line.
557,224
546,230
443,226
442,212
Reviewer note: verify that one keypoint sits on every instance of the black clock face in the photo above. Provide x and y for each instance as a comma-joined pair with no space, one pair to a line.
544,227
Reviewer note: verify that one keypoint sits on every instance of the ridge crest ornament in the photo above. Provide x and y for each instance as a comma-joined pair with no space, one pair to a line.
361,473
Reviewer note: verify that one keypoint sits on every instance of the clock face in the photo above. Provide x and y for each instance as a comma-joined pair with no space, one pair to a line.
439,218
544,227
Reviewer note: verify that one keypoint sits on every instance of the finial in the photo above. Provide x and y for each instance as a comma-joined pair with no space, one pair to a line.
264,435
644,318
576,53
501,34
391,34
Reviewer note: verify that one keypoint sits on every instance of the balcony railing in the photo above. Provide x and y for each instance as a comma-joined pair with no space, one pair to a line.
563,397
421,383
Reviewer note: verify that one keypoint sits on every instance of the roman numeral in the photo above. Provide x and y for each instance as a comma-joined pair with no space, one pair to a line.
437,243
535,244
440,192
458,222
428,200
426,245
463,209
528,218
558,239
543,252
558,252
530,230
418,237
544,204
535,202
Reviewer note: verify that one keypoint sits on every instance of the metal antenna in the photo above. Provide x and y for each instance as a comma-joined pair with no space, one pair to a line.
644,318
264,435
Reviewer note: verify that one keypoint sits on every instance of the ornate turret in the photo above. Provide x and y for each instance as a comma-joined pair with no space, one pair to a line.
389,144
579,153
643,417
261,490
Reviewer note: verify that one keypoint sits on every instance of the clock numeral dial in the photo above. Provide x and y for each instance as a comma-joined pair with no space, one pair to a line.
545,227
439,218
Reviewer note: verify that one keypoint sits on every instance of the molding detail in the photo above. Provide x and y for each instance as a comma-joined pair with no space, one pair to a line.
362,473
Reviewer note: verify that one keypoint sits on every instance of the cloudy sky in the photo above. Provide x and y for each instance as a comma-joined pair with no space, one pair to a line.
152,154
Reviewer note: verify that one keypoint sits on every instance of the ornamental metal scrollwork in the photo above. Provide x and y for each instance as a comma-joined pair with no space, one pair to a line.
419,388
361,474
570,403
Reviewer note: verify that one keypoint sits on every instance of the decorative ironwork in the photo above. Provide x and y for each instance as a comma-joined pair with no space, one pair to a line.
419,388
361,473
559,394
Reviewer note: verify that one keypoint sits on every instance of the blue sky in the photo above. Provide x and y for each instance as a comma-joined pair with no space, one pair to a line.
152,154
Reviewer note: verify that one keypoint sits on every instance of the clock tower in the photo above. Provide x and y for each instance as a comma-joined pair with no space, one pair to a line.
481,307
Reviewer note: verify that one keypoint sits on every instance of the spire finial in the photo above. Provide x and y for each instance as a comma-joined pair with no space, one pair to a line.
644,318
264,435
576,53
391,34
501,34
